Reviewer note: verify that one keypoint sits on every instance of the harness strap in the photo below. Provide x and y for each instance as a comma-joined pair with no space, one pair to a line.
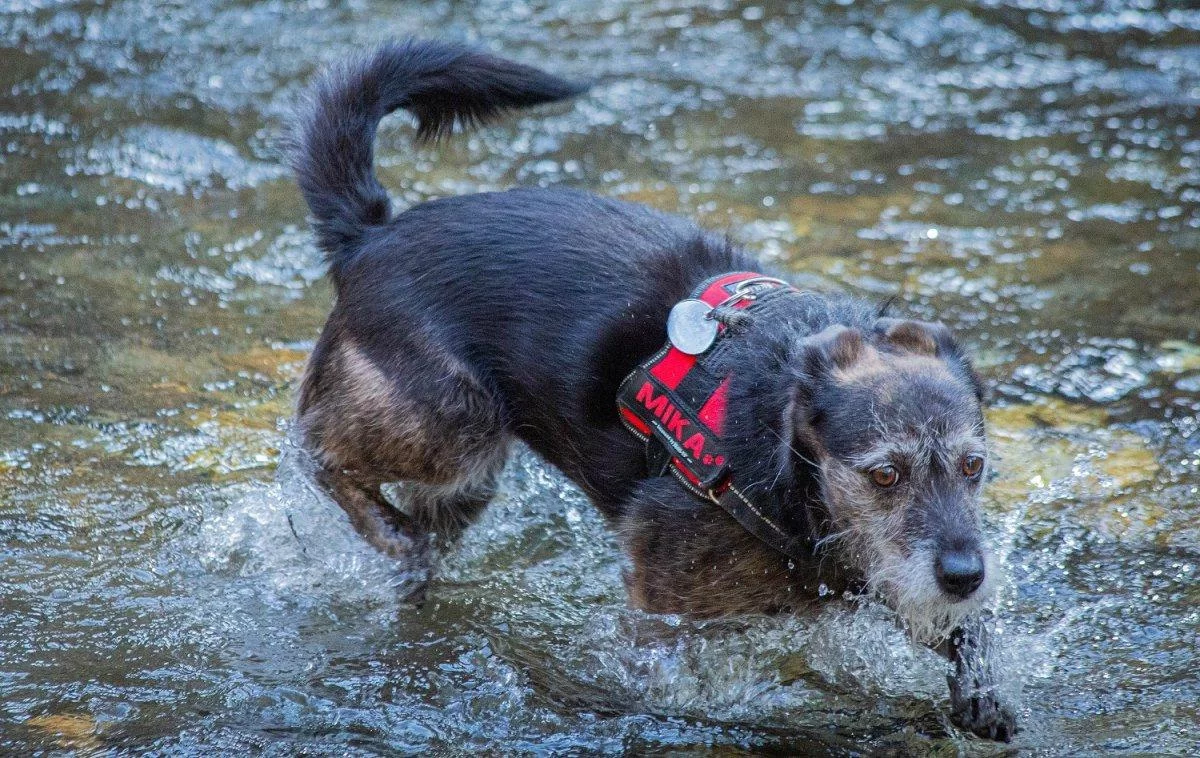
676,405
741,505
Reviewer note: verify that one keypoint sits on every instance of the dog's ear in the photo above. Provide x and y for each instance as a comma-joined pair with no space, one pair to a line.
931,338
836,348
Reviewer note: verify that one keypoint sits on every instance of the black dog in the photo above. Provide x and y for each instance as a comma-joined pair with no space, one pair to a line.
813,443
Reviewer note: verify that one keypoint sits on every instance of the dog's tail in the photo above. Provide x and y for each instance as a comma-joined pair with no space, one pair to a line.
441,84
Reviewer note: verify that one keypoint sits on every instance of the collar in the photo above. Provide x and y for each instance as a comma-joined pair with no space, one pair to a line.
675,403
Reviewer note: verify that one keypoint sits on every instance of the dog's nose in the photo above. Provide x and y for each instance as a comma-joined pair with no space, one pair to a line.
960,572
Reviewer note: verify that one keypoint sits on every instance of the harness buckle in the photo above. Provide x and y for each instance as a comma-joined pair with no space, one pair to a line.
740,292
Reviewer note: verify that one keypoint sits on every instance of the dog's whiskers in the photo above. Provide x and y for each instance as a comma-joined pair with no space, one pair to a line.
829,539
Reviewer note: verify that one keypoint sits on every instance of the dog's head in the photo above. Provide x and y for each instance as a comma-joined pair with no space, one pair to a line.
891,418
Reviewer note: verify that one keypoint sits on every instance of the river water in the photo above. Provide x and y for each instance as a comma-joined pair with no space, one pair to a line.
1028,172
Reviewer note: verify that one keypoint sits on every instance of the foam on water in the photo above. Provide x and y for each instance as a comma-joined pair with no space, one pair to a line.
533,605
295,544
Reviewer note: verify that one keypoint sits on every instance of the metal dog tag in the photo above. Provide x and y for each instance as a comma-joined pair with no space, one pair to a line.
689,328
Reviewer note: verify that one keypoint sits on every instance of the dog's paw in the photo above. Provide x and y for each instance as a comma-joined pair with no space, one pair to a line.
982,714
413,585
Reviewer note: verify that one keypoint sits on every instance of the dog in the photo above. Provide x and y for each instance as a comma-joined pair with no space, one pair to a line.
780,445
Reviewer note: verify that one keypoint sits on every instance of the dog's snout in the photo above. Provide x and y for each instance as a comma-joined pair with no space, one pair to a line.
960,572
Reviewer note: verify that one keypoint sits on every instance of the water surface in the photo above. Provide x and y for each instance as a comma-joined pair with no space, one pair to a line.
1027,172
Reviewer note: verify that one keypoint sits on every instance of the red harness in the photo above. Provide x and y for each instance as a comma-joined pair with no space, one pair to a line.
676,405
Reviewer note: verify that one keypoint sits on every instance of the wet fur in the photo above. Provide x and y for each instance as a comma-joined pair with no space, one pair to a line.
467,322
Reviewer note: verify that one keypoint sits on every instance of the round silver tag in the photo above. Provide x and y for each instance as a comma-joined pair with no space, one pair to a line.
689,328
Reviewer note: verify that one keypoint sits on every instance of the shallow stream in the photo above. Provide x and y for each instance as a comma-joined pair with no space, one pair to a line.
1028,172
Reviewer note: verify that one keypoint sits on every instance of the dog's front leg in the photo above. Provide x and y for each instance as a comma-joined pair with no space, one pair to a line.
975,703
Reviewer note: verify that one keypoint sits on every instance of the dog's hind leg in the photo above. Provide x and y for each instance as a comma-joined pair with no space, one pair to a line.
416,416
445,510
385,528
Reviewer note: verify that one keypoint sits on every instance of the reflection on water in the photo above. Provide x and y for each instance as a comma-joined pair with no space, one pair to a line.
1027,172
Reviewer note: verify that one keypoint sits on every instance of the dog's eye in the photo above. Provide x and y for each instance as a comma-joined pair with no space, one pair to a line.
885,476
971,465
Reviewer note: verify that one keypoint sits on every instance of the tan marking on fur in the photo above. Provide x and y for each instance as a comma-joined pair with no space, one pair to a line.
700,562
869,364
847,348
363,378
362,420
872,363
912,336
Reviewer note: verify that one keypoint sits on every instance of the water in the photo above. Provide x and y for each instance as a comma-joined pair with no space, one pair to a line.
1027,172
